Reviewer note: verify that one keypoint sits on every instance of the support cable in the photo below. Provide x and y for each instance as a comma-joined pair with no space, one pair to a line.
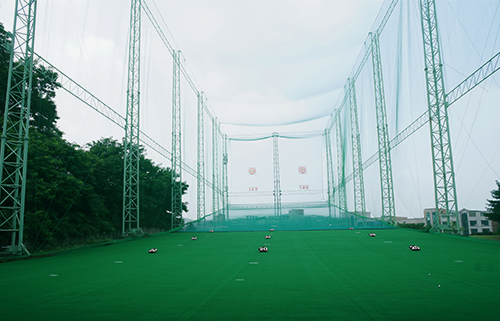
167,44
71,205
467,85
366,54
77,91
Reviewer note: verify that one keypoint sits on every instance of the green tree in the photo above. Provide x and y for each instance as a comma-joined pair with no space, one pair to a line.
154,189
75,194
493,205
155,195
4,66
43,108
62,206
43,112
43,118
107,177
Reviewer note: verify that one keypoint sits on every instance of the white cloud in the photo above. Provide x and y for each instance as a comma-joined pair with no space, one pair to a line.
92,47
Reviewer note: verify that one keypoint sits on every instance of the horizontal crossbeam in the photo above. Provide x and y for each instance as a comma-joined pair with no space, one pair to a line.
102,108
170,49
283,192
294,135
471,82
284,205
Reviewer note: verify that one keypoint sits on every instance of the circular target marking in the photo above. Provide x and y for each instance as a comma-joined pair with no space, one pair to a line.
252,171
302,169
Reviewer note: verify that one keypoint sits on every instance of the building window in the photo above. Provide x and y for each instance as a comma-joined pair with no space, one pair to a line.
485,223
472,214
473,223
486,230
473,231
482,214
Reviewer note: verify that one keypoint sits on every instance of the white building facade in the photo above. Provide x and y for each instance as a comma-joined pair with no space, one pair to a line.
471,221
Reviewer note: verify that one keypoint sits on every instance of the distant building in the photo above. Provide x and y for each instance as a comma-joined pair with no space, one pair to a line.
368,214
472,221
409,220
431,217
475,222
296,211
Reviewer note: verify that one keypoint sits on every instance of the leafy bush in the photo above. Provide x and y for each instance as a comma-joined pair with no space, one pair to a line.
416,226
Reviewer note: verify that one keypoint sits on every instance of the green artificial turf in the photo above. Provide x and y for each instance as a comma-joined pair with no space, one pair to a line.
305,275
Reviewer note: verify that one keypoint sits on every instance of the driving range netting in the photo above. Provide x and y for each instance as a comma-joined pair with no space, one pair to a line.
305,275
284,223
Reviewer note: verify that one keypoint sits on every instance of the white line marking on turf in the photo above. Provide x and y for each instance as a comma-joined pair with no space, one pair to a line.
358,232
179,244
267,243
53,275
240,279
253,262
387,241
458,261
118,261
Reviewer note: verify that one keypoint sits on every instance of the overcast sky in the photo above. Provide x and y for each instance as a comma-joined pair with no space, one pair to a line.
281,66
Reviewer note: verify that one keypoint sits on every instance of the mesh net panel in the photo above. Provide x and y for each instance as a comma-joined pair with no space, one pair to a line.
307,217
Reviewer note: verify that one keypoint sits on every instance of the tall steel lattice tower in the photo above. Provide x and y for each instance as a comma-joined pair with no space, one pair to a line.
277,185
15,133
225,187
384,153
131,149
215,168
342,192
201,159
444,176
176,144
329,170
357,164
